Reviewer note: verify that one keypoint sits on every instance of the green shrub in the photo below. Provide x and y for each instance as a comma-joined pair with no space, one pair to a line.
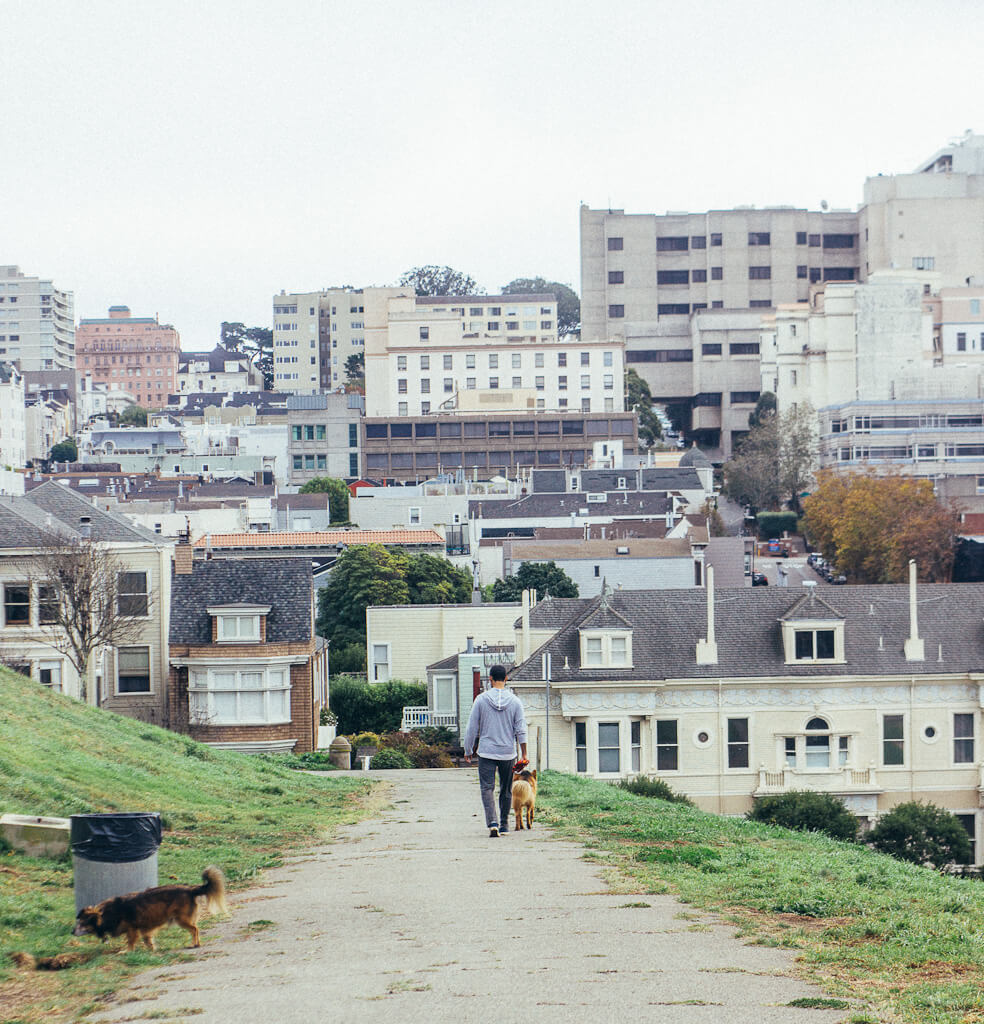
643,785
439,736
364,739
807,811
390,759
922,834
774,524
372,707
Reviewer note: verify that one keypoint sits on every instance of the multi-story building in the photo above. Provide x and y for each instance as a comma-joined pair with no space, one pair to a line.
324,436
930,219
894,369
217,372
485,352
314,333
657,280
13,430
37,322
136,354
484,445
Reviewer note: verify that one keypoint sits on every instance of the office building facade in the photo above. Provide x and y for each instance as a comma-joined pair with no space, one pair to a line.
37,322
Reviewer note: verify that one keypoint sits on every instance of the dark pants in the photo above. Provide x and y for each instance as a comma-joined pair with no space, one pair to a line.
487,767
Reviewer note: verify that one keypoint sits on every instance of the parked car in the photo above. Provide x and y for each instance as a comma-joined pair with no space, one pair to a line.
759,579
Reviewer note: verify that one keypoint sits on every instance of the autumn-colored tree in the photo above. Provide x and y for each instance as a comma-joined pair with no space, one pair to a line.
870,525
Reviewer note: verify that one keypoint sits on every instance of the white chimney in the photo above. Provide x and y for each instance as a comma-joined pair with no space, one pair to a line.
707,650
915,649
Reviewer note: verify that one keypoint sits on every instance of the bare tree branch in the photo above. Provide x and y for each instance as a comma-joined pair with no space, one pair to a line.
88,599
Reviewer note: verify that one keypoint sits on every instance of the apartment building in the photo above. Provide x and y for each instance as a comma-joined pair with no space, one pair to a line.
895,370
138,355
489,353
217,372
931,218
485,445
37,322
324,436
655,280
13,426
314,333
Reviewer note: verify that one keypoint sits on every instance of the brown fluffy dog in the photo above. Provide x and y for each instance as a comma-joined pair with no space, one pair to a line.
524,797
140,915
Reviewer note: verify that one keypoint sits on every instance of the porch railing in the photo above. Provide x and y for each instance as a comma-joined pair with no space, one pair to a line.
421,717
835,780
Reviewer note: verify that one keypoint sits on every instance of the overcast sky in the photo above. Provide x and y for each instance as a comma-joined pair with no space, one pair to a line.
192,157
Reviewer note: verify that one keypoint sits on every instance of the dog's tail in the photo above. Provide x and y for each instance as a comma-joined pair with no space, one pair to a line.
213,890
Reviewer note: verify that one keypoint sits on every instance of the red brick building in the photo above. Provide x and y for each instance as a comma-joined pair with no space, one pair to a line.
246,669
136,354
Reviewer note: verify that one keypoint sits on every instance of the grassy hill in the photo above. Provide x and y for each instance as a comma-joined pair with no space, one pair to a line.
58,757
904,942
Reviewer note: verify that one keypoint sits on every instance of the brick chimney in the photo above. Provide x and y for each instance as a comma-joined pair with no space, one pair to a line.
184,559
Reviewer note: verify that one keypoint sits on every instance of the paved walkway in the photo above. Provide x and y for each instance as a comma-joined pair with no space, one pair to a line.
419,916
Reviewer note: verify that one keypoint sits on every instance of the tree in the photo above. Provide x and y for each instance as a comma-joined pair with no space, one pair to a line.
338,496
434,580
64,451
765,409
774,461
870,526
922,834
256,343
543,577
639,399
434,280
372,574
133,416
568,304
355,371
807,811
84,604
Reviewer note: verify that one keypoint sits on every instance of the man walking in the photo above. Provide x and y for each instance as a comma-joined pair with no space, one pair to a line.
495,724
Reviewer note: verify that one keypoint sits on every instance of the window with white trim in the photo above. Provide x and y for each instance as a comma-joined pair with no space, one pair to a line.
963,738
132,598
581,746
667,745
635,744
609,760
239,694
133,670
241,628
380,662
606,648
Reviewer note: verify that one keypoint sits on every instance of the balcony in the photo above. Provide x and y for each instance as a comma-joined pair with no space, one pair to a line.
421,717
840,781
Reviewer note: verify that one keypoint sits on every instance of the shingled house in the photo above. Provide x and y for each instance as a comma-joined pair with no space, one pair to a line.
873,693
247,671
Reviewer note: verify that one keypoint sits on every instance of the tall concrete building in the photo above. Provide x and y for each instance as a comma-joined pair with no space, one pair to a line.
314,333
37,322
661,281
136,354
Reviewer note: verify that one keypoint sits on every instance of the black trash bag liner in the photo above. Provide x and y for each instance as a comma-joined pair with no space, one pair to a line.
116,838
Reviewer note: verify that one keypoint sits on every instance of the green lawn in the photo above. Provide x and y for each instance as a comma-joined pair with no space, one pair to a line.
58,757
903,943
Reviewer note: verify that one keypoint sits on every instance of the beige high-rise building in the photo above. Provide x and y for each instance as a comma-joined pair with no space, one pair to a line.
136,354
37,322
314,333
661,281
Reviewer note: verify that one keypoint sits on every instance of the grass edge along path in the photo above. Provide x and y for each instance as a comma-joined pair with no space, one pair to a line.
903,942
59,757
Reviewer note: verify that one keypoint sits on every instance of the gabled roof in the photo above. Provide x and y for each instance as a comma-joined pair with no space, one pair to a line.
282,583
668,623
68,506
810,606
604,616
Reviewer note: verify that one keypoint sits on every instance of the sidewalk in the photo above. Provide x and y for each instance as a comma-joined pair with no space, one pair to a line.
419,916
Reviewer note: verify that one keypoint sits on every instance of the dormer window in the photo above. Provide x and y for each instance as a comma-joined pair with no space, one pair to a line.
238,624
812,633
814,644
606,649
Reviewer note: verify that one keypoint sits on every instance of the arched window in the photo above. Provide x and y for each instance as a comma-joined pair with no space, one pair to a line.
817,743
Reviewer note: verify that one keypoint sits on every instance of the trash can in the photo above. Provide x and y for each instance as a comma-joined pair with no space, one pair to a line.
113,854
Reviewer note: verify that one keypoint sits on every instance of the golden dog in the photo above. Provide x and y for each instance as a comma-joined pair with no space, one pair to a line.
524,797
140,915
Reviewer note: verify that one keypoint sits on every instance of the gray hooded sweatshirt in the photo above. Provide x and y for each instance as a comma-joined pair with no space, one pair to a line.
497,722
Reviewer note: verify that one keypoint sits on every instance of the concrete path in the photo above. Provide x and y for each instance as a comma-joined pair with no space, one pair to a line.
419,916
